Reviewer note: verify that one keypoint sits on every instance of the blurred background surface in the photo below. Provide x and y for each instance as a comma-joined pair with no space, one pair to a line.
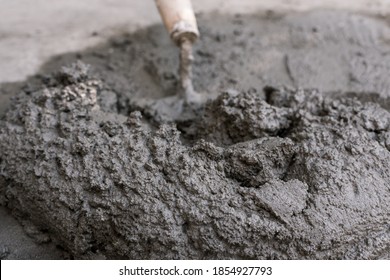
33,31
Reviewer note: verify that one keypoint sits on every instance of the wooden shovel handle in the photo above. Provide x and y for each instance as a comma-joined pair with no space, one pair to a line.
179,19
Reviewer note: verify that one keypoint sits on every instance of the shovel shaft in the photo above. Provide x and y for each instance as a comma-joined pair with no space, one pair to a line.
179,19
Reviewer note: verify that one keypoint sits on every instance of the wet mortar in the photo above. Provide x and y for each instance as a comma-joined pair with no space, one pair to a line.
289,160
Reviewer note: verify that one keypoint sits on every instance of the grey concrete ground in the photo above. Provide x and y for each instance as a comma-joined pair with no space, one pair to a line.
33,31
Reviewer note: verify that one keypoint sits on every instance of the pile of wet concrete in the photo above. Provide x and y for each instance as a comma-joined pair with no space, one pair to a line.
274,172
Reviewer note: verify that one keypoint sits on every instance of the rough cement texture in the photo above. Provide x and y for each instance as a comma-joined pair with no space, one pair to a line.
278,174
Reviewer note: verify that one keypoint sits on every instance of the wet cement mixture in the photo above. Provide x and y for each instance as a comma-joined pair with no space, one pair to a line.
289,160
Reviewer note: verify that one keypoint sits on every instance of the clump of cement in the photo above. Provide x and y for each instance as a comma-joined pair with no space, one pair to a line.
112,165
295,176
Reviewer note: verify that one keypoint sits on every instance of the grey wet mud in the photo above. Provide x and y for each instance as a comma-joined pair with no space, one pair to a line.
288,160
